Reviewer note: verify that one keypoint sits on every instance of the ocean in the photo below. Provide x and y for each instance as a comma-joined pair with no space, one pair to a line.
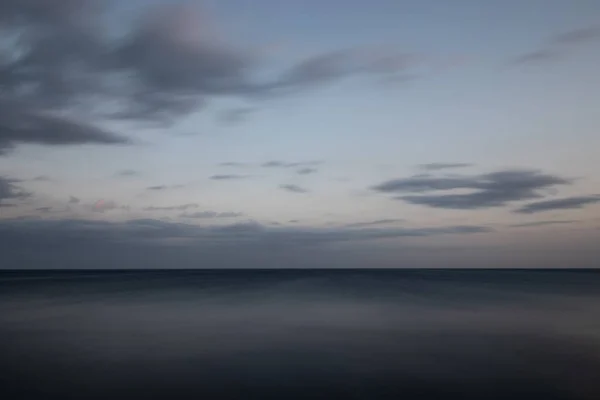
300,334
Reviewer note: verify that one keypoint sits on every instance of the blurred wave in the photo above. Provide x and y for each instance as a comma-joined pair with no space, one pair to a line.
357,334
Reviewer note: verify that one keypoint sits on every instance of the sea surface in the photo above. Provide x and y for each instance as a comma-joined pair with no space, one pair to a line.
300,334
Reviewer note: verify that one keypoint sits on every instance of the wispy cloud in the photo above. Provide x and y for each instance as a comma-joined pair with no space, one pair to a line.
489,190
211,215
104,205
293,188
228,177
568,203
182,207
235,115
164,187
542,223
306,171
127,173
440,166
373,223
559,46
284,164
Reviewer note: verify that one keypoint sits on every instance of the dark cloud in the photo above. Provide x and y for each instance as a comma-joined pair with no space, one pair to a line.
440,166
226,177
73,200
559,46
127,172
306,171
489,190
61,64
182,207
293,188
142,229
9,190
211,215
373,223
44,209
21,125
542,223
567,203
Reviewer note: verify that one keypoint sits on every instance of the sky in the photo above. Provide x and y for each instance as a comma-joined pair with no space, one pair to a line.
288,134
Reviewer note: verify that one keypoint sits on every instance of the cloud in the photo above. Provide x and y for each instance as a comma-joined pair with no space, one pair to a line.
127,172
373,223
227,177
141,229
293,188
182,207
283,164
163,187
104,205
211,215
568,203
233,164
441,166
542,223
489,190
73,200
306,171
560,45
10,191
42,178
235,115
20,125
335,65
44,209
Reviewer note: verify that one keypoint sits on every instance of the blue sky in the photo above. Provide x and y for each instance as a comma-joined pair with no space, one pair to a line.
354,93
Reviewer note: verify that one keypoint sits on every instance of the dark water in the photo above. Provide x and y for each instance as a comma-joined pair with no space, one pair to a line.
300,335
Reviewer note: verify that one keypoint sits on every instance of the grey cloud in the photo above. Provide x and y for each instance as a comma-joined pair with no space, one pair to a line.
283,164
127,172
559,46
440,166
306,171
567,203
73,200
373,223
489,190
60,59
44,209
10,191
232,164
141,229
577,36
542,223
211,215
235,115
21,125
182,207
102,206
163,187
293,188
42,178
226,177
335,65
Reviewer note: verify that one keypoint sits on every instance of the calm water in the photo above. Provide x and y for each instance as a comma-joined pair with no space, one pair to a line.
300,334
